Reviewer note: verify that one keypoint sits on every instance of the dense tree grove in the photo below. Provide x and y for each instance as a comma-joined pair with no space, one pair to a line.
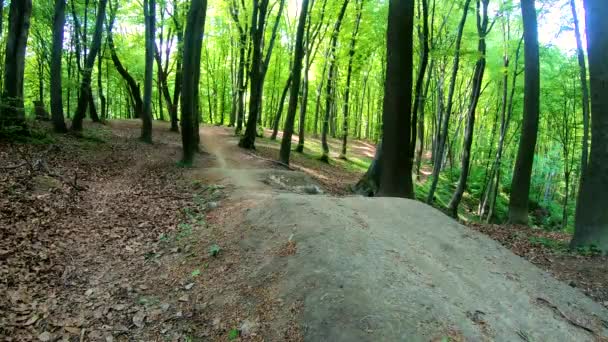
472,107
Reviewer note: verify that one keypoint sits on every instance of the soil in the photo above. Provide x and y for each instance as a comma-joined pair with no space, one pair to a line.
104,238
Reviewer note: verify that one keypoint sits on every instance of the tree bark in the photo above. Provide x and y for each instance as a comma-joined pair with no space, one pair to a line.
12,112
296,75
591,214
520,187
85,85
584,88
193,40
259,66
330,91
480,67
56,87
396,174
351,56
149,14
445,121
277,117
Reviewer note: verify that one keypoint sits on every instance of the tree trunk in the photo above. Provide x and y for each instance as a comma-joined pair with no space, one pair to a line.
193,41
445,122
351,56
133,86
259,67
330,91
277,118
396,175
12,112
591,214
102,97
480,67
56,88
150,32
296,75
418,109
584,88
520,187
318,102
85,85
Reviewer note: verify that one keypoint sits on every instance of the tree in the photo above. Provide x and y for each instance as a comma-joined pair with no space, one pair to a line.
12,113
296,75
331,80
444,123
56,87
591,214
193,43
259,67
396,168
85,97
349,73
149,14
132,85
483,28
582,64
522,173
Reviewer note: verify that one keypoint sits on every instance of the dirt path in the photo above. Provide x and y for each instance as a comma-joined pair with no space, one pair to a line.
236,248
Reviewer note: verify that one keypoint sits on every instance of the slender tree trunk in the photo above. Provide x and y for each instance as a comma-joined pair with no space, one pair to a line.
11,110
85,85
259,66
133,86
522,174
149,14
296,74
584,88
277,118
443,129
240,113
56,88
193,40
591,227
102,97
418,110
396,175
318,104
331,79
480,67
351,56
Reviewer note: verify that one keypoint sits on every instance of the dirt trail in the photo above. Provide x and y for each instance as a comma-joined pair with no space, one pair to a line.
361,269
236,248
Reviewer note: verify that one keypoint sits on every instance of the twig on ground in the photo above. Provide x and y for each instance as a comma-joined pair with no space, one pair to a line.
563,315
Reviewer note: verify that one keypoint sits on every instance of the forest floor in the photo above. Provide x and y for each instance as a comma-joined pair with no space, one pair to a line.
104,238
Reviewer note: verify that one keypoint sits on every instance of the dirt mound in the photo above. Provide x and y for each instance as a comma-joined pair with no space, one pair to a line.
389,269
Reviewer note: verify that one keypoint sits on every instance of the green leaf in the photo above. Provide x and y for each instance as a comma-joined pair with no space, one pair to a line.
214,250
196,273
233,334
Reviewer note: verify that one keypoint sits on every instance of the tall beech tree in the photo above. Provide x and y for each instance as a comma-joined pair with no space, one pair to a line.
396,165
56,58
443,128
522,173
193,43
331,81
150,33
591,227
259,66
296,75
349,75
483,28
85,93
12,112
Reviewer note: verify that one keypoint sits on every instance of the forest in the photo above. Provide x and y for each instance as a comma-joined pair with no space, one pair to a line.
495,112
